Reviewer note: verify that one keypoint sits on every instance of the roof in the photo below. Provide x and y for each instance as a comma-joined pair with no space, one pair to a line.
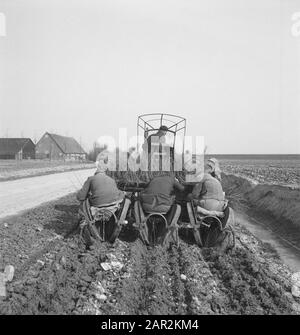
12,145
68,145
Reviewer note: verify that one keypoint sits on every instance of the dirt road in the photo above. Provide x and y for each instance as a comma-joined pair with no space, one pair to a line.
22,194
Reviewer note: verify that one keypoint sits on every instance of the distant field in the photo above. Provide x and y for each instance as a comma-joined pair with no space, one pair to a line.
274,171
14,169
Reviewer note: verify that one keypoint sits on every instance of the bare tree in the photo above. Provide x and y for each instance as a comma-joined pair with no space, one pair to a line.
92,155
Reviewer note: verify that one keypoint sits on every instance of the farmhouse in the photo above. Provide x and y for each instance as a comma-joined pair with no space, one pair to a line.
17,148
57,147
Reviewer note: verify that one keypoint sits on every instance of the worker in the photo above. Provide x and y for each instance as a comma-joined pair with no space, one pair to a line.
157,149
208,193
158,138
159,195
100,189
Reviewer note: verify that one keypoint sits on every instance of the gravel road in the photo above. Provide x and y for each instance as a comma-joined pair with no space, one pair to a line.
23,194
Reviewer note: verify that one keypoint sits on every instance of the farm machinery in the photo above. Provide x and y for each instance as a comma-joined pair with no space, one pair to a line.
105,224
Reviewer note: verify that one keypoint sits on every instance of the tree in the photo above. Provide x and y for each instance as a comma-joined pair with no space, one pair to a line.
92,155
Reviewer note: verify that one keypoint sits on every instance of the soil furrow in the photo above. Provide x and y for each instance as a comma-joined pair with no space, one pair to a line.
158,297
248,284
66,278
203,295
177,284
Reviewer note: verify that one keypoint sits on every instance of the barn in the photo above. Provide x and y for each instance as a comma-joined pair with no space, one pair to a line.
57,147
17,148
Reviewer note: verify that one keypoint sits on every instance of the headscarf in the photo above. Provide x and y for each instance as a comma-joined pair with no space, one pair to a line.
216,171
101,162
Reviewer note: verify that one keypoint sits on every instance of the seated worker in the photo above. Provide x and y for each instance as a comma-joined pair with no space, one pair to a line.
100,189
159,196
208,193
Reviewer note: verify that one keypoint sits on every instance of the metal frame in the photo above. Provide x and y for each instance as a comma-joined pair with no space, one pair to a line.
90,221
160,117
196,223
143,218
103,210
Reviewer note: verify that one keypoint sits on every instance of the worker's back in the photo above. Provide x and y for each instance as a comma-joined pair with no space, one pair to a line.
161,185
212,188
209,193
101,190
158,196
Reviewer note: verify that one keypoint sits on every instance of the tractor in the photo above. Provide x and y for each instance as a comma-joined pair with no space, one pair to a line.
207,227
155,228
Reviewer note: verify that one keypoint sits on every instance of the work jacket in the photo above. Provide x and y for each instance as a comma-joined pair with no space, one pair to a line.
159,195
101,190
208,188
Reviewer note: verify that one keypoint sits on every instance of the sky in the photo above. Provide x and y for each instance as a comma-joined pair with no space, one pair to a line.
86,68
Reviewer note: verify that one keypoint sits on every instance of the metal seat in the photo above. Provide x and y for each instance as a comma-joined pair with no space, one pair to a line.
207,228
103,223
156,228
